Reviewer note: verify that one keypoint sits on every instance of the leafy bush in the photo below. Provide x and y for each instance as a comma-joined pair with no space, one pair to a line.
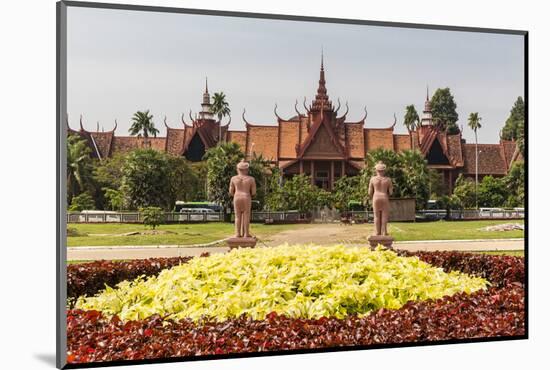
152,216
82,202
297,281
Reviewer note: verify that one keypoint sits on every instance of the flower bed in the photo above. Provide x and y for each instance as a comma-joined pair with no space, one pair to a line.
296,281
497,311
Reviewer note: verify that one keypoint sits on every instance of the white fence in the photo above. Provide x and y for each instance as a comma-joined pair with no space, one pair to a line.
472,214
287,217
184,217
135,217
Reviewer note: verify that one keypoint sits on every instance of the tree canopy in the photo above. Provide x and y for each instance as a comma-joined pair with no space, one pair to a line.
146,177
408,171
143,125
444,110
411,119
221,162
514,125
79,167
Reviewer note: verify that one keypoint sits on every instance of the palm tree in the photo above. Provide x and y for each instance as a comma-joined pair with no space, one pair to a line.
411,119
79,167
474,123
220,107
143,125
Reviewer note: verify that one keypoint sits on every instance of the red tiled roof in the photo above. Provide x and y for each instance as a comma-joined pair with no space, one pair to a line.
263,140
401,142
454,145
490,159
378,138
127,143
175,138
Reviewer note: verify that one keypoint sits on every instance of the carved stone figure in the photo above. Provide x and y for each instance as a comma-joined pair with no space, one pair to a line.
242,187
380,189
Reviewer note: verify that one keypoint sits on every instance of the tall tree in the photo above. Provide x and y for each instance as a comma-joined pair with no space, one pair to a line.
184,183
444,110
512,129
346,189
408,171
474,122
521,137
79,167
411,119
515,185
492,192
220,107
143,125
260,170
465,192
415,177
300,194
221,162
146,179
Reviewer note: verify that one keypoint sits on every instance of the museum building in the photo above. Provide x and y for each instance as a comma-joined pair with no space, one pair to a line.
319,141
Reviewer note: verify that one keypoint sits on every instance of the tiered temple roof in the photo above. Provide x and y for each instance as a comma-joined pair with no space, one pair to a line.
318,134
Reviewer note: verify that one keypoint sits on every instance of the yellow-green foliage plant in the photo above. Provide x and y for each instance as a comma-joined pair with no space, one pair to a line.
299,281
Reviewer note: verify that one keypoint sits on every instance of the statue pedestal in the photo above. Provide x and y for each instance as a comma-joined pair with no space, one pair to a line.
241,242
385,240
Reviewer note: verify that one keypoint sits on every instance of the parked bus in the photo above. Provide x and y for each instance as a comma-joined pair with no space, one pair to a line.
199,206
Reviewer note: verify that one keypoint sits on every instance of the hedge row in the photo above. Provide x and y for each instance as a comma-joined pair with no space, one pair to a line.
91,337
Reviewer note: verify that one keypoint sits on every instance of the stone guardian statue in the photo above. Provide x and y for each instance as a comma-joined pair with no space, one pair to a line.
380,189
242,188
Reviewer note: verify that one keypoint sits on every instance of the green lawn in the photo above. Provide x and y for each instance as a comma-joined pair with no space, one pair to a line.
183,234
447,230
187,234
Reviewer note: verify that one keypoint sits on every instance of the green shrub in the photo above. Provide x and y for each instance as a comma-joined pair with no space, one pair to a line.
82,202
152,216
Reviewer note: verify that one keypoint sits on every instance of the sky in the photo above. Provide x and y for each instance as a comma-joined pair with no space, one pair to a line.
121,61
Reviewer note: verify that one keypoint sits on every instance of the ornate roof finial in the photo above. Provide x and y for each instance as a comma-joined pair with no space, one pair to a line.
427,93
207,84
321,90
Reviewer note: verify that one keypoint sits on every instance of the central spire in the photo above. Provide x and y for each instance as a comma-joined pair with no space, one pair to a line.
322,90
321,99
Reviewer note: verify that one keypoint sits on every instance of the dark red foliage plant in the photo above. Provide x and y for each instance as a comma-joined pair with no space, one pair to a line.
497,311
86,279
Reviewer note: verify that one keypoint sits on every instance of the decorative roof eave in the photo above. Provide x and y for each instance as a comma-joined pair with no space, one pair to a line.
362,120
342,118
250,125
82,129
185,125
279,118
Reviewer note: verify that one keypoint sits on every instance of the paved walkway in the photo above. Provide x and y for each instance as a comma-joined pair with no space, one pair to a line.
138,252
